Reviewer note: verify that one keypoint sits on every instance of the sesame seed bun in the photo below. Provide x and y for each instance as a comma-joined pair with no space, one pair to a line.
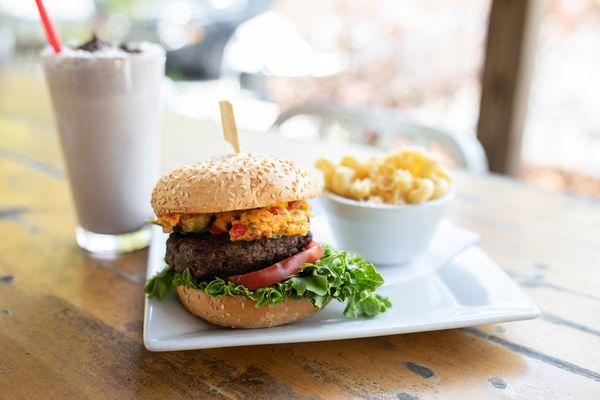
240,311
234,182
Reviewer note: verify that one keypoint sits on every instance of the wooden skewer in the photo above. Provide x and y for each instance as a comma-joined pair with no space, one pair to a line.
230,131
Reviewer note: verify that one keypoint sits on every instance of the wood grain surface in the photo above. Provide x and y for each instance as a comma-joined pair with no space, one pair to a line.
71,324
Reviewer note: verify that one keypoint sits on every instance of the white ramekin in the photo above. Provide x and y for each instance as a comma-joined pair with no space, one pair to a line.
383,233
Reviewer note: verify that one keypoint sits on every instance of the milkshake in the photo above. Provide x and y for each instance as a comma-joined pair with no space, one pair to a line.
106,100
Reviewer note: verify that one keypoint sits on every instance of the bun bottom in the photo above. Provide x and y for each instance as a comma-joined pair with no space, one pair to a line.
241,312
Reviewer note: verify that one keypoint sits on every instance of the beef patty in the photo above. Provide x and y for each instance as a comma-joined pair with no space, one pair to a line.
208,255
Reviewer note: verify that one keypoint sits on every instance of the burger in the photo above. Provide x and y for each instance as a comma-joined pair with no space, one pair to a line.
240,253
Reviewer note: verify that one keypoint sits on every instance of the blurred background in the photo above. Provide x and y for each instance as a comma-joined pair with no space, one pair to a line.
522,77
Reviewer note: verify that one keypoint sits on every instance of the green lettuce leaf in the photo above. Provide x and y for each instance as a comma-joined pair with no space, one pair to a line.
338,275
160,284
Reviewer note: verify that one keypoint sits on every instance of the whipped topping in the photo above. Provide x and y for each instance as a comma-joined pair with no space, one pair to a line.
96,48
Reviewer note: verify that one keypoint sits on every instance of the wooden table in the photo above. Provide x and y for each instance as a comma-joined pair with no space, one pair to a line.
71,324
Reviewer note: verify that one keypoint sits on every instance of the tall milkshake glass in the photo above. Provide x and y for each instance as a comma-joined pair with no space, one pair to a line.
107,104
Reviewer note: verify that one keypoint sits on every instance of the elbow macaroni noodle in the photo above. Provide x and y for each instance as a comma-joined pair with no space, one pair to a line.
407,176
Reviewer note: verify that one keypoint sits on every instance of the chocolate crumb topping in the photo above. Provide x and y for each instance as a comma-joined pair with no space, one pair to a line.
95,44
130,48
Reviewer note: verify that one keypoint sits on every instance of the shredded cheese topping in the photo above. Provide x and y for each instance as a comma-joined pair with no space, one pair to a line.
281,219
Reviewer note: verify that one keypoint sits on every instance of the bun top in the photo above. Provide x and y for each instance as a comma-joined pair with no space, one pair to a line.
233,182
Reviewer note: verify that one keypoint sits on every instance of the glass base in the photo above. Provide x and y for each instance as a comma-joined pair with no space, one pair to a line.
113,244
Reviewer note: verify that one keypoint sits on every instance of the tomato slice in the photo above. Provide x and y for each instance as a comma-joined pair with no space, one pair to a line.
313,244
279,271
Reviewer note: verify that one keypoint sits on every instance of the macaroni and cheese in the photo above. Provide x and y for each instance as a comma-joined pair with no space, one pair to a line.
407,176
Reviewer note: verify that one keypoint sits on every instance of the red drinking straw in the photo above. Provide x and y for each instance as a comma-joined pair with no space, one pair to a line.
49,28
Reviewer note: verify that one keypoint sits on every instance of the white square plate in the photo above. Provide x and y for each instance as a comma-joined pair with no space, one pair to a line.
469,290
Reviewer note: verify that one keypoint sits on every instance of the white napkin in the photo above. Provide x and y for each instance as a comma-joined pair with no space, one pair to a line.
449,241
